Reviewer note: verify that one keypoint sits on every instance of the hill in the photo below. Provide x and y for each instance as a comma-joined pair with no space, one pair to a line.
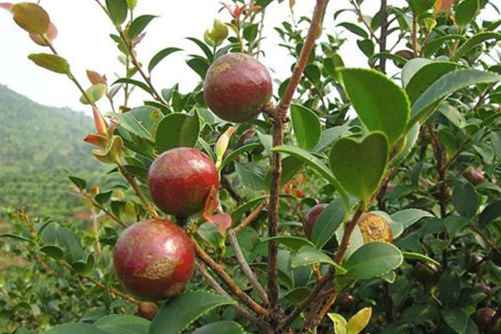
39,147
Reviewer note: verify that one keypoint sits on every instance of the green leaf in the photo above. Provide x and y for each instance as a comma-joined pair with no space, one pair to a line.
221,327
73,328
31,17
290,241
456,319
234,154
466,11
420,6
133,82
161,55
328,222
176,130
251,175
123,324
465,199
490,213
80,183
250,32
316,164
308,255
94,93
117,10
373,260
370,92
330,135
359,166
16,237
51,62
409,217
306,126
445,86
339,323
138,25
199,65
177,314
130,123
420,257
474,41
354,29
366,46
411,68
436,43
426,76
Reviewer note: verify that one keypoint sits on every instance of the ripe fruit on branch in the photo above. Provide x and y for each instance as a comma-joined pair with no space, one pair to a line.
237,87
375,227
474,175
311,218
484,318
154,259
180,181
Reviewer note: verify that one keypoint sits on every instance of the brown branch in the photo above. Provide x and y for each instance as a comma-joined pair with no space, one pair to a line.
361,18
132,181
280,113
240,309
250,218
246,269
229,282
229,188
384,35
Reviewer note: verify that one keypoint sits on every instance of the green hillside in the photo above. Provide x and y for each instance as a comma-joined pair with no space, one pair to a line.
39,147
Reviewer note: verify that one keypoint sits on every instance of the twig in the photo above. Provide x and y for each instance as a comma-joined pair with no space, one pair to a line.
361,18
250,218
280,113
102,208
229,188
240,309
132,181
384,35
246,269
229,282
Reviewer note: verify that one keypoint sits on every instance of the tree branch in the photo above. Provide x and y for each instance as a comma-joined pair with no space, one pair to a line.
280,113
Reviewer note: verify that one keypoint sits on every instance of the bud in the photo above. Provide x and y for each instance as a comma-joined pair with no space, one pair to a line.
100,122
218,33
131,4
475,175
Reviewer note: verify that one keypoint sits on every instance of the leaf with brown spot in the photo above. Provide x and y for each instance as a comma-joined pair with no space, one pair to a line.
31,17
96,78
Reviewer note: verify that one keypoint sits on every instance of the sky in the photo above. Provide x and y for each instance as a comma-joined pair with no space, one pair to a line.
83,40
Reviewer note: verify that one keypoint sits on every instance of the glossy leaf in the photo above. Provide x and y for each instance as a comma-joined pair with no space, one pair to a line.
177,314
420,257
308,255
221,327
435,44
491,212
445,86
370,92
161,55
373,260
359,321
426,76
133,82
359,165
123,324
339,323
94,93
357,30
51,62
316,164
31,17
327,223
234,154
411,68
306,126
118,10
176,130
465,199
409,217
138,25
132,124
75,328
290,241
466,11
474,41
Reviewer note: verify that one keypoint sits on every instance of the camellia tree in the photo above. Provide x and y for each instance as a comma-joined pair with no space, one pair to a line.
341,200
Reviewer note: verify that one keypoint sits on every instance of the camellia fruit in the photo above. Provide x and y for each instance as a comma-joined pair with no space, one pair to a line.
474,175
180,181
154,259
311,218
484,318
237,87
375,227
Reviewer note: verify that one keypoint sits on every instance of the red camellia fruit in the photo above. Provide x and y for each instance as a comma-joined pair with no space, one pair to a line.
311,218
237,86
154,259
475,175
180,181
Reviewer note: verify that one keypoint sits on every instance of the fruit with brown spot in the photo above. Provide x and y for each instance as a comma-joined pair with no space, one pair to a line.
154,259
237,87
181,179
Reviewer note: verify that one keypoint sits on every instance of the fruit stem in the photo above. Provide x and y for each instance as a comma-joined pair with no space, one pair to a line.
280,113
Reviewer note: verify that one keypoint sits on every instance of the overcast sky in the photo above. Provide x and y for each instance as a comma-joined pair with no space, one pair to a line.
83,40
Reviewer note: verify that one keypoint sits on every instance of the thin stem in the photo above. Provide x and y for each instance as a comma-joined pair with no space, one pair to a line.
280,113
250,218
240,309
361,18
246,269
132,181
102,208
384,35
229,282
